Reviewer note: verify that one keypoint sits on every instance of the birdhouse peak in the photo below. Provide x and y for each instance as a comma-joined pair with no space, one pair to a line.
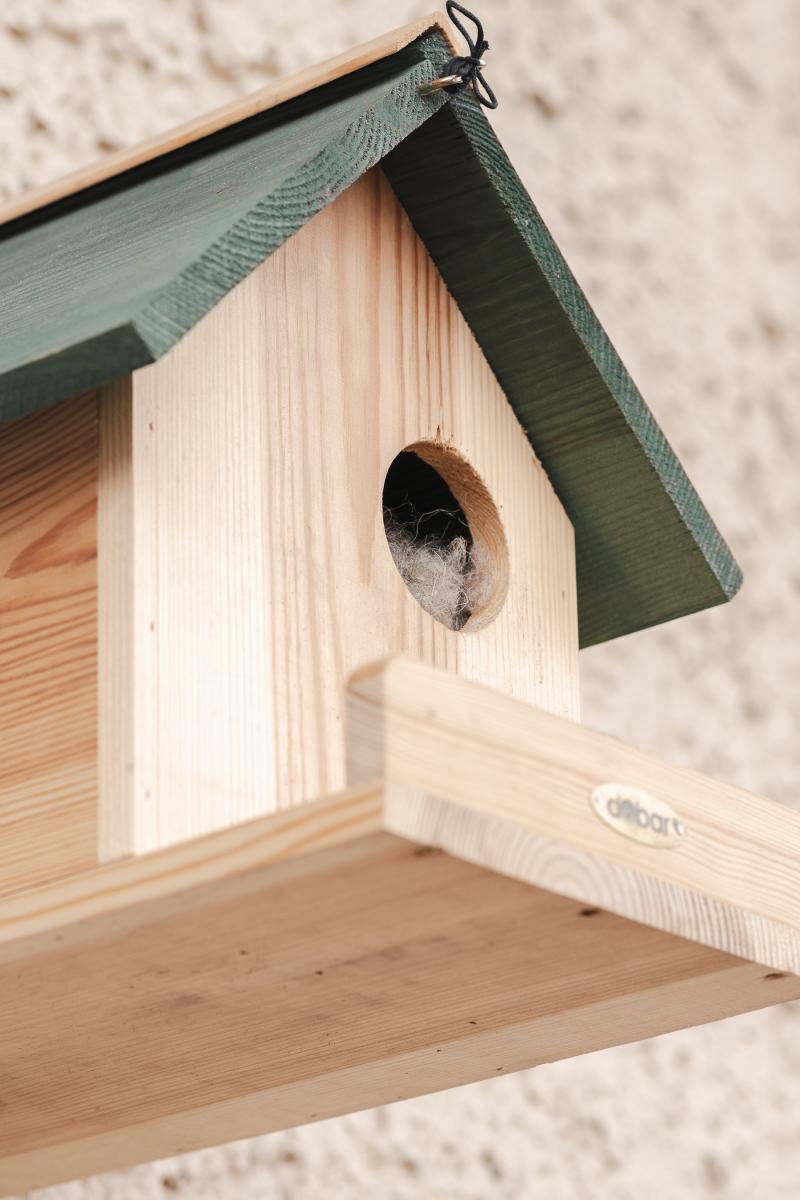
104,272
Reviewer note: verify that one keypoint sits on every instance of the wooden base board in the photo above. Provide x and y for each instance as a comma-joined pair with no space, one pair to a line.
359,975
330,958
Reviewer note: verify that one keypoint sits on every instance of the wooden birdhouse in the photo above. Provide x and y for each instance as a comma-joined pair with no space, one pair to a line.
316,470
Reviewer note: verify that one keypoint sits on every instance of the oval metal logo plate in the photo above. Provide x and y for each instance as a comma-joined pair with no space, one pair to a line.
638,815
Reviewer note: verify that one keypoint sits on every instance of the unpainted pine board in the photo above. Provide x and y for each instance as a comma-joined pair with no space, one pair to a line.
49,914
201,692
289,87
110,285
48,644
262,575
508,787
280,992
647,549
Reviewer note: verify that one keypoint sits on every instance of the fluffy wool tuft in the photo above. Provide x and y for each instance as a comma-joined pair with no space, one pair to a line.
449,579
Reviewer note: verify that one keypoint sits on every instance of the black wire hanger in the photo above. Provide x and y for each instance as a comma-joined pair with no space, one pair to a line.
462,71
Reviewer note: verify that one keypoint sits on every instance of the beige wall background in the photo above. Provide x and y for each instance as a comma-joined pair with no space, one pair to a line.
662,144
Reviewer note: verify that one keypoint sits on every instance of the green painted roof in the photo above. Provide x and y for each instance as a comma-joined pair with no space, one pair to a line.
107,280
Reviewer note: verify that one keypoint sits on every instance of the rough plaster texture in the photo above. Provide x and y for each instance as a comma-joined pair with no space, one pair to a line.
662,143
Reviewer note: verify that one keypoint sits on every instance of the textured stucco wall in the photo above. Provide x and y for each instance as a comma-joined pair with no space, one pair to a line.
662,143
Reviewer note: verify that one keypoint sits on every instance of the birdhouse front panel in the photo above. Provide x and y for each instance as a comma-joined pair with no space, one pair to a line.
273,455
259,496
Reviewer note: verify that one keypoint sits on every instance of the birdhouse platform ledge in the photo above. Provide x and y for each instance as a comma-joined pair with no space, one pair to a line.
497,887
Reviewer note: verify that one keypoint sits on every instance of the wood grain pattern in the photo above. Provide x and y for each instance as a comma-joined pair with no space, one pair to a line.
202,695
242,109
358,975
263,575
48,656
508,787
126,888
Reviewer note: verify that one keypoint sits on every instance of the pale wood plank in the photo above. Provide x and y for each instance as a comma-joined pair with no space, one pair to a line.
398,365
48,651
205,722
263,577
67,907
287,88
508,786
275,995
398,1073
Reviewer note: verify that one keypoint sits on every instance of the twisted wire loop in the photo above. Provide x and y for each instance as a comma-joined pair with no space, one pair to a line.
466,69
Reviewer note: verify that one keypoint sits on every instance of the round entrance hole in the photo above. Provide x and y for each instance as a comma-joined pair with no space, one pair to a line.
445,536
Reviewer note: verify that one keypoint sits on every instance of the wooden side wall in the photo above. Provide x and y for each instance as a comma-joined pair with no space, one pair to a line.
48,644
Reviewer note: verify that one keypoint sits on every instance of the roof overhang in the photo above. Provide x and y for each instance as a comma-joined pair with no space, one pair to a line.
104,273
